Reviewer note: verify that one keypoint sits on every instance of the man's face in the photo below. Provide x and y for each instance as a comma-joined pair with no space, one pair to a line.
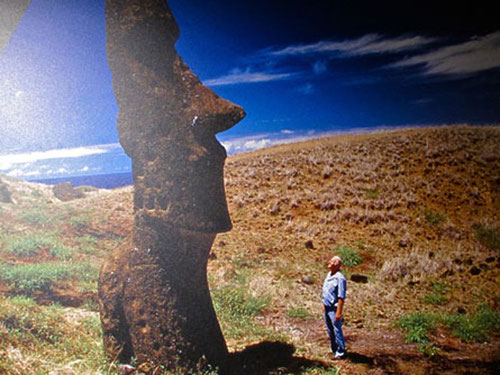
333,265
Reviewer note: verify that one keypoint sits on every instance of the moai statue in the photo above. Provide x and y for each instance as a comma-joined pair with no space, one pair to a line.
153,294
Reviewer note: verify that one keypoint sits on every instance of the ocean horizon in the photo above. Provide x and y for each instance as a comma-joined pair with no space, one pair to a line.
101,181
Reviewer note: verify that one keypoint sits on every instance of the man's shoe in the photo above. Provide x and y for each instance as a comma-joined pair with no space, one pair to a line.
339,355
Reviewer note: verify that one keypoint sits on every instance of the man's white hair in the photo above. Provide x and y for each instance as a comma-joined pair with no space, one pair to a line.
337,259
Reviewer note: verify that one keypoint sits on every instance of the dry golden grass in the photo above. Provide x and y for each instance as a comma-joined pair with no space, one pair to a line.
420,206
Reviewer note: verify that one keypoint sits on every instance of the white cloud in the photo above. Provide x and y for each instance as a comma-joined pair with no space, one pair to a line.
473,56
7,161
367,44
286,131
237,77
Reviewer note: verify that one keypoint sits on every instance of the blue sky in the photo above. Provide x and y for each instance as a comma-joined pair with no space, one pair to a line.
300,69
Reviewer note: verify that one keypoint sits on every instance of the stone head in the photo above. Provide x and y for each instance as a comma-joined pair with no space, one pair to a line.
167,119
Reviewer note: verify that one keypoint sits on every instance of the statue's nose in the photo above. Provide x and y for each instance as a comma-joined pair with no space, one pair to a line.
214,114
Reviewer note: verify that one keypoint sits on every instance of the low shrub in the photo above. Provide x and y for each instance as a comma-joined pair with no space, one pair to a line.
475,328
433,218
418,327
350,257
488,236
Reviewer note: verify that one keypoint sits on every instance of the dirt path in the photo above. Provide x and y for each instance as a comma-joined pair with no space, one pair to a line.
385,352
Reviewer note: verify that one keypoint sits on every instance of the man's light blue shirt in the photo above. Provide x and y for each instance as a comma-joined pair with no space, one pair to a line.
334,287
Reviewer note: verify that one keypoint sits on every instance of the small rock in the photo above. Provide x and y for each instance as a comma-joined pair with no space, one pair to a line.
126,369
359,278
461,310
475,271
222,243
212,256
65,192
309,244
405,240
484,266
288,216
490,259
261,250
307,280
275,209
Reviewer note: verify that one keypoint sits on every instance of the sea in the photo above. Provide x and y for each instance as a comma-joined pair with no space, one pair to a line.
101,181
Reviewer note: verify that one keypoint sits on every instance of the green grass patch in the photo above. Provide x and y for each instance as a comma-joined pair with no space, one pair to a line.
476,328
433,218
350,257
87,245
372,194
35,215
298,312
28,245
33,244
79,220
49,339
27,279
488,236
437,296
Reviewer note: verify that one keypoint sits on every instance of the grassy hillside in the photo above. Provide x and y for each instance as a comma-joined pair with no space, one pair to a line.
413,213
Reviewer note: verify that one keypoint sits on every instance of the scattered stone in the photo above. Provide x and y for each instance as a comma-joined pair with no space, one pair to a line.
212,256
309,244
457,261
461,310
275,209
307,280
261,250
405,241
288,216
65,192
222,243
475,271
431,254
5,195
126,369
490,259
484,266
362,279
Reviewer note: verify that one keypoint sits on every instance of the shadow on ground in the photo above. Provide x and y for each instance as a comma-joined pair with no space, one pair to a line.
270,358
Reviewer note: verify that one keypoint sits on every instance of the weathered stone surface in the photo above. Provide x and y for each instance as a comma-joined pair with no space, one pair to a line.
65,192
153,293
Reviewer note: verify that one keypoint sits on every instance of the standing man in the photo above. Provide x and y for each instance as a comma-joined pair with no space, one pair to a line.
334,292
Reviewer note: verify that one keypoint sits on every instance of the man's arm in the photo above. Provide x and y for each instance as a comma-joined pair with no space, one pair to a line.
340,306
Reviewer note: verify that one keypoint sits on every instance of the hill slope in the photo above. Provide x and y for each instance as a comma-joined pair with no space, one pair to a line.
414,214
